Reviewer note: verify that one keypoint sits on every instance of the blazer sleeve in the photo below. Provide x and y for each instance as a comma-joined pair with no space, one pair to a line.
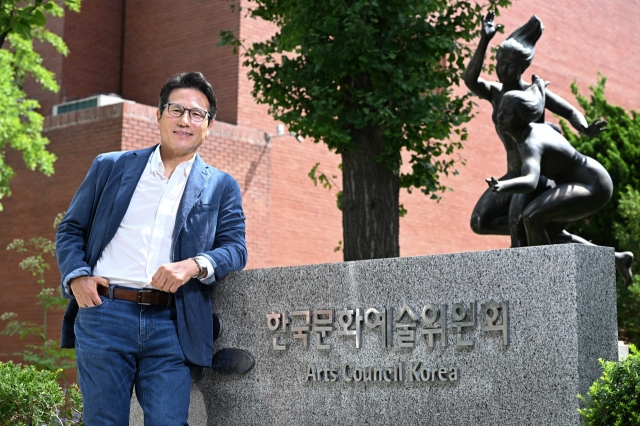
72,234
229,246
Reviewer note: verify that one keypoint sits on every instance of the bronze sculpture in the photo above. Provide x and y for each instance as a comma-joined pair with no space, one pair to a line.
490,215
582,185
503,213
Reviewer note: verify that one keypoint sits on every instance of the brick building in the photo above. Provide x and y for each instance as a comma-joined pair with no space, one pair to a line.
131,47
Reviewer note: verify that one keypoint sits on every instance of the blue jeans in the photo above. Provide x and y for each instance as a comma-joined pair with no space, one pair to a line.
119,343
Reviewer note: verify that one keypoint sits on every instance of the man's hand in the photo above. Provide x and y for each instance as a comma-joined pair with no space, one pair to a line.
85,290
171,276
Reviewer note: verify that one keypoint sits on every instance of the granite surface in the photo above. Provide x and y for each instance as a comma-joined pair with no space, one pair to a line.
561,319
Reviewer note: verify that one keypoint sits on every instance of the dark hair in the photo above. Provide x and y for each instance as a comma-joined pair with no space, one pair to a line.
189,80
522,43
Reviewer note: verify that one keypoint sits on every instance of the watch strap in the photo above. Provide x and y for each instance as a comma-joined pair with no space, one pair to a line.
202,267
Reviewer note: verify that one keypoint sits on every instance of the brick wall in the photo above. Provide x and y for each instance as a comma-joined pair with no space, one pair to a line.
94,62
249,112
53,61
245,154
76,139
165,37
574,46
580,39
289,221
94,37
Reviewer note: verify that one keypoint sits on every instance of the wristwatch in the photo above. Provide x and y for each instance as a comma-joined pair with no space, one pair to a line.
202,268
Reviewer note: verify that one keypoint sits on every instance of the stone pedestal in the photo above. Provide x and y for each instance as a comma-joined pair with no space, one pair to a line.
523,330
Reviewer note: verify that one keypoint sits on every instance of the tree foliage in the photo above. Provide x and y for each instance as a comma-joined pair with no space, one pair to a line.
618,223
617,149
20,124
372,80
627,232
46,355
339,65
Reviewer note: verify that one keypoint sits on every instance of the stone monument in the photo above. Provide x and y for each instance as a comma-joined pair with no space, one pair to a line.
505,336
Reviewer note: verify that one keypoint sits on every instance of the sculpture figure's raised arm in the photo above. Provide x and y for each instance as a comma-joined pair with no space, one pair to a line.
472,80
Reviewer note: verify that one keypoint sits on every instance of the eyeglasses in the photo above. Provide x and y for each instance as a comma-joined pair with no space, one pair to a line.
176,110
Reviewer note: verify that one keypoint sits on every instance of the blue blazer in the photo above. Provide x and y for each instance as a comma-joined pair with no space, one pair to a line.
209,222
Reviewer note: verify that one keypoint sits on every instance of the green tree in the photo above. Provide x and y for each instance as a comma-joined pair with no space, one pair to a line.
46,355
617,149
618,223
370,79
20,124
627,232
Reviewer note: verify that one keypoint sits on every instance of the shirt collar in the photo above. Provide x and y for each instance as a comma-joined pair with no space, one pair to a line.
157,166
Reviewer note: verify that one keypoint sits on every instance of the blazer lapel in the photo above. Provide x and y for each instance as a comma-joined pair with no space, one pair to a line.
198,177
134,165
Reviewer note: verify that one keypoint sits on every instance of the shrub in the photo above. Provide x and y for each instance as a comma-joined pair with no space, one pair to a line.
614,399
48,355
29,396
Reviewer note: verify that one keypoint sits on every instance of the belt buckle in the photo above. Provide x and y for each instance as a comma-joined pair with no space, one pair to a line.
140,302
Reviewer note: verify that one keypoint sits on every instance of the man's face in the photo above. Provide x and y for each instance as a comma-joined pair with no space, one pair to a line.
180,137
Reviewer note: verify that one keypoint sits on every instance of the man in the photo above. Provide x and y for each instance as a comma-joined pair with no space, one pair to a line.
146,235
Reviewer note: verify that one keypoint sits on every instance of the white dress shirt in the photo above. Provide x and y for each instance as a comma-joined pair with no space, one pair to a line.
142,243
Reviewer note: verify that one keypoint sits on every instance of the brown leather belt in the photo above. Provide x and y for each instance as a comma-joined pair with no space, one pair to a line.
141,297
